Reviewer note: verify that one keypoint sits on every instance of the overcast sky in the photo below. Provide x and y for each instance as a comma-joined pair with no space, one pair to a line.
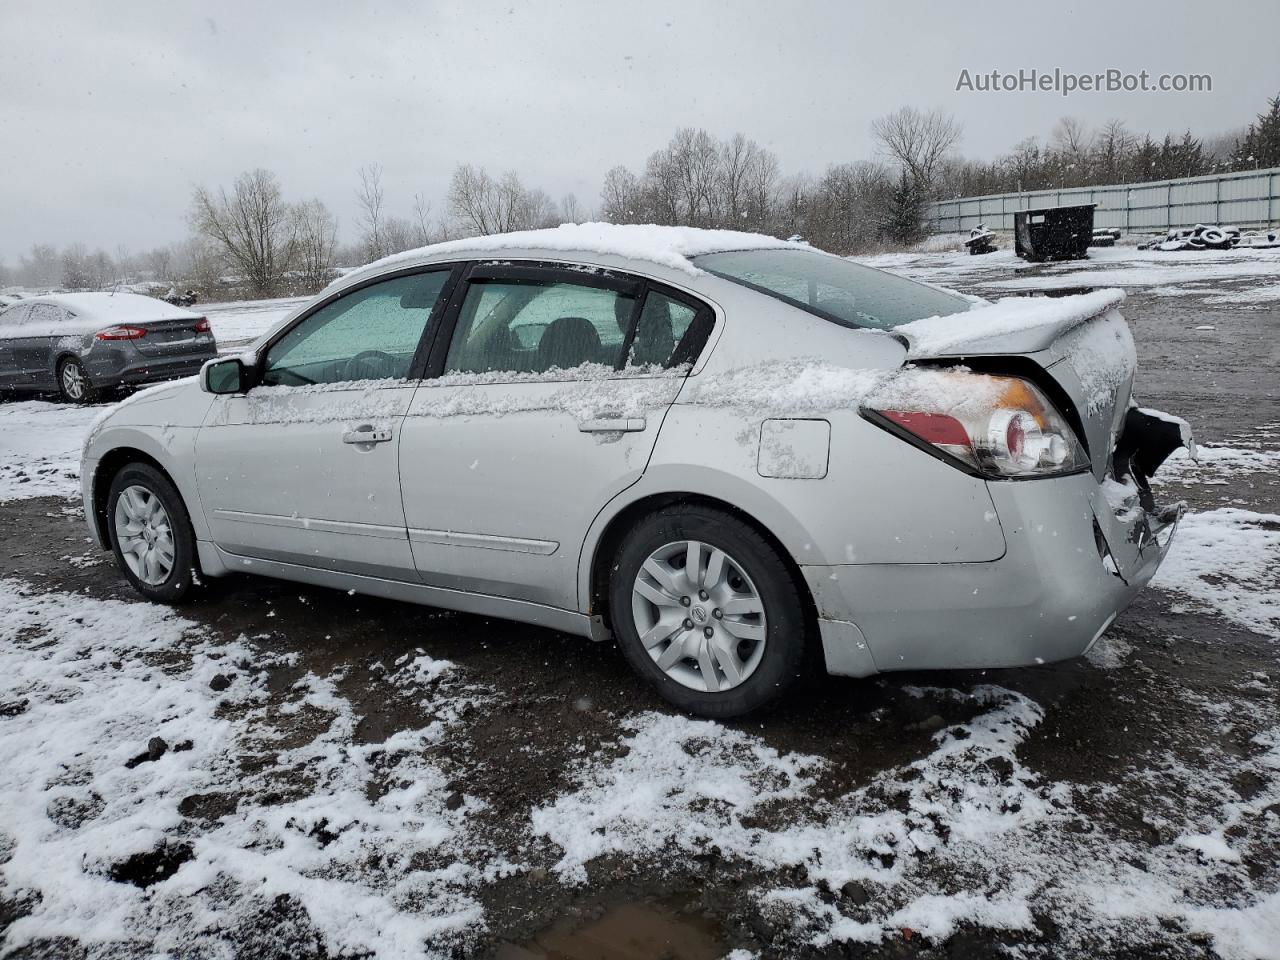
110,112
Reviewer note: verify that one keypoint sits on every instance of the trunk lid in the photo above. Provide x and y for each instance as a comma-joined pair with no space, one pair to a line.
169,338
1082,343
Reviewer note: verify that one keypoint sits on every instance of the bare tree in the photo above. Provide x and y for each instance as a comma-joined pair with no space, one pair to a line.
41,267
316,233
536,210
848,206
570,212
198,263
421,220
1113,148
160,263
369,197
917,141
747,175
399,234
77,270
620,197
485,206
251,226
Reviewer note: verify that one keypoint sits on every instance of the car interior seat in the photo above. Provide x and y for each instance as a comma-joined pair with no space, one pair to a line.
567,342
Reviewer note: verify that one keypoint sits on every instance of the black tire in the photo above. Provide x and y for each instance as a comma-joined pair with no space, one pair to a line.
180,583
786,654
88,394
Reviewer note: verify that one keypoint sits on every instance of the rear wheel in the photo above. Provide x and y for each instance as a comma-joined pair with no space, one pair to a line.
73,383
707,610
151,534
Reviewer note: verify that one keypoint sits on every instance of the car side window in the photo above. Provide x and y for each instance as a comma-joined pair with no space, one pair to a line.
664,324
368,334
13,317
45,315
531,327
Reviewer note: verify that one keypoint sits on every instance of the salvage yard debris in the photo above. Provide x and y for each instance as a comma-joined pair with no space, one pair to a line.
1202,237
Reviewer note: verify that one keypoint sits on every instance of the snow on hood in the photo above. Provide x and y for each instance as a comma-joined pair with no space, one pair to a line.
669,246
1010,325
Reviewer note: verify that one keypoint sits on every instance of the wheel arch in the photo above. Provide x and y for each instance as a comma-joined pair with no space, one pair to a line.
61,355
606,544
112,462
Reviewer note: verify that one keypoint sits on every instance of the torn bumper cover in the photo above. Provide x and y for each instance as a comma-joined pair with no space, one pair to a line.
1077,554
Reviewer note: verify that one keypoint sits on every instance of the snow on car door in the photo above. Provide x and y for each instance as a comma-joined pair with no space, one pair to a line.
536,424
303,469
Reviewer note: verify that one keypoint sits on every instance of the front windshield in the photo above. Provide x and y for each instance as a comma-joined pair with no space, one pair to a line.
838,290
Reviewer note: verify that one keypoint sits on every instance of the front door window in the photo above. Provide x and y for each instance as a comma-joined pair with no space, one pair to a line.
369,334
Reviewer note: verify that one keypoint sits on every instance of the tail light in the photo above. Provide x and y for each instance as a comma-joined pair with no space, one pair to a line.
121,333
202,325
999,427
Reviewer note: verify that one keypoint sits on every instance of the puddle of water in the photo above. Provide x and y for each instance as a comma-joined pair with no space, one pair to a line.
633,931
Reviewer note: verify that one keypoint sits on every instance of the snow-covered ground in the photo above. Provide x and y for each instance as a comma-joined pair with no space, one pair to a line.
172,787
40,445
239,322
1224,276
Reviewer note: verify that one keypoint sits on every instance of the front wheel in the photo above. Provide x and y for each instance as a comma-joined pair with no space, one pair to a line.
151,534
707,610
73,383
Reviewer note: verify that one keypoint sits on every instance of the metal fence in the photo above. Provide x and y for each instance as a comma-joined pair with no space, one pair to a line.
1247,199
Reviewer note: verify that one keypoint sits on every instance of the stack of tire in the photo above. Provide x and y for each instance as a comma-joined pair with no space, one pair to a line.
1201,237
1104,237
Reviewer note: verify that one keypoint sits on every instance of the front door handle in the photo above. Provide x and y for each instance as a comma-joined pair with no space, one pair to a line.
367,434
612,425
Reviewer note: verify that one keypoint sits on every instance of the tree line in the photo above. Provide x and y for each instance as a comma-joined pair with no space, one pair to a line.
247,239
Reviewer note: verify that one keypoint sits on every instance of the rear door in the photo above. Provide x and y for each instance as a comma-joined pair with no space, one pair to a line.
554,383
303,468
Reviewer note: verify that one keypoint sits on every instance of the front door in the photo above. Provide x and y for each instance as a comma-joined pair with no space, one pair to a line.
554,386
35,350
303,467
11,319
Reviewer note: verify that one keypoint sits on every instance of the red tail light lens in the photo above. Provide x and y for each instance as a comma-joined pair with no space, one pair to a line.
202,325
997,426
121,333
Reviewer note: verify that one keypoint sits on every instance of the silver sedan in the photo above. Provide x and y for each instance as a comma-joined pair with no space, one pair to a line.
736,457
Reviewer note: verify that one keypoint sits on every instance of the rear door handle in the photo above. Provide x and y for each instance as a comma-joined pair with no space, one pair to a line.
612,425
367,434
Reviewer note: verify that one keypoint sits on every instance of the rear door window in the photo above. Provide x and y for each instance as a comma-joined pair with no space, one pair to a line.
535,321
665,325
44,320
534,327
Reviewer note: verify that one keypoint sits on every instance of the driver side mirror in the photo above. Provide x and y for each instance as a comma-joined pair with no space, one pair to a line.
226,375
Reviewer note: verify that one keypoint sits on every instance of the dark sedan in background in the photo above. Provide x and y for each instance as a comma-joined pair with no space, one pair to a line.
80,344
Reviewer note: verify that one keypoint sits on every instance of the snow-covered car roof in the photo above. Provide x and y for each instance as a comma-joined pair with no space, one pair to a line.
117,307
671,247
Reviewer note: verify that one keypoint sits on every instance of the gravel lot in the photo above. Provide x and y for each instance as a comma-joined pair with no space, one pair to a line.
280,771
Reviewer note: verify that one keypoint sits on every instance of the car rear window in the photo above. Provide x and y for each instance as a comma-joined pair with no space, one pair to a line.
838,290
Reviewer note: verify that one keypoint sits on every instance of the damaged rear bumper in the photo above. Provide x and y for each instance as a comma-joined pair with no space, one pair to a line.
1072,564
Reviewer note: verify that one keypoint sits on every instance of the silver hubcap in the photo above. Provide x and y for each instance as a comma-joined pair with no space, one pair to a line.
73,380
699,616
145,535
